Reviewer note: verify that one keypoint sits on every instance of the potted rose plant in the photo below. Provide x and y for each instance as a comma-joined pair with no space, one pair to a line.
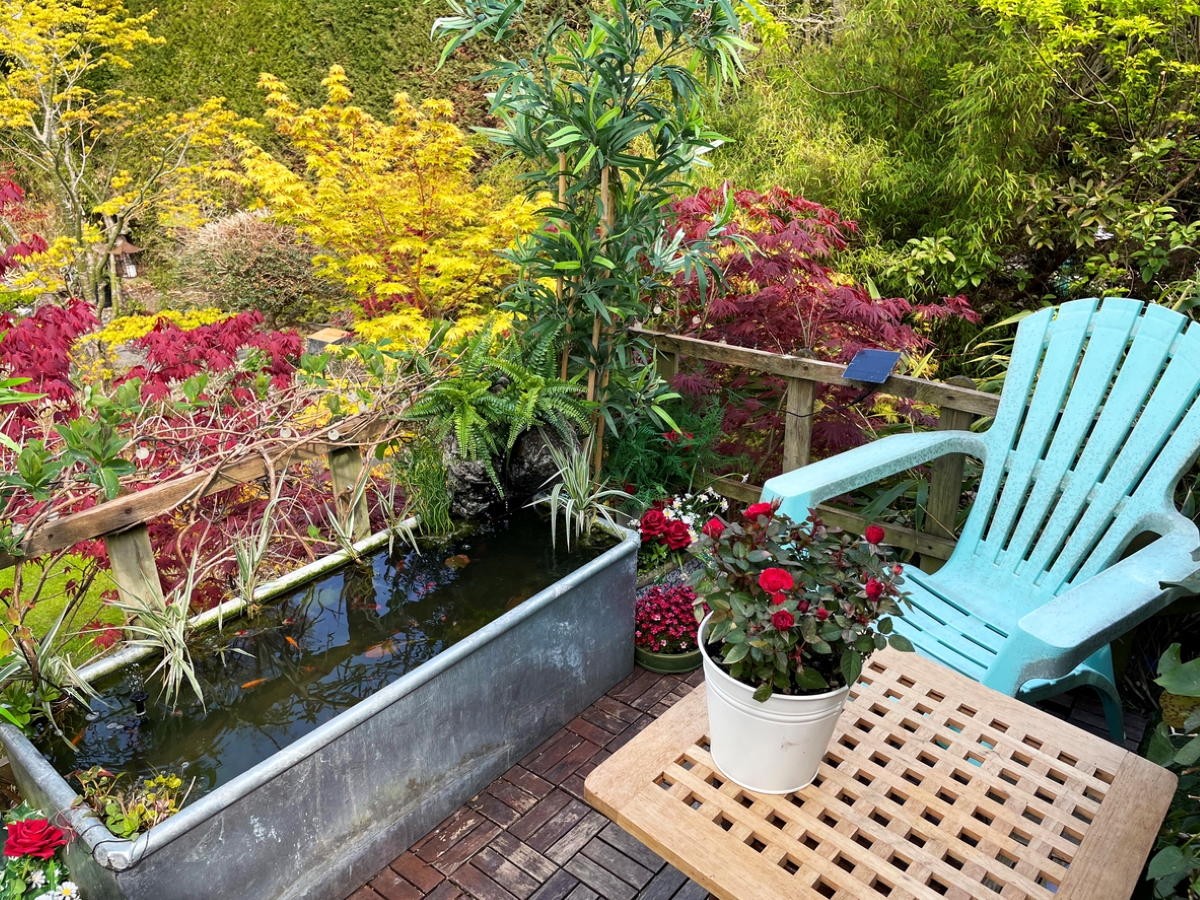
664,637
795,611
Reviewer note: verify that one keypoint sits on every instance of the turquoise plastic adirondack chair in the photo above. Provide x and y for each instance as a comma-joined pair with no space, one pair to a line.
1098,421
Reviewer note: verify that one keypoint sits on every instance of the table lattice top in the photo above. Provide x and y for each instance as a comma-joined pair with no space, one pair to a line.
933,786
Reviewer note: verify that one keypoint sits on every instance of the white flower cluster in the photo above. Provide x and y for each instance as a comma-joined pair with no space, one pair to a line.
68,890
694,510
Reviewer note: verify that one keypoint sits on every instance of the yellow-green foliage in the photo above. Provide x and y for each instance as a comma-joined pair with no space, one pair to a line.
54,594
94,354
391,207
123,329
408,326
109,158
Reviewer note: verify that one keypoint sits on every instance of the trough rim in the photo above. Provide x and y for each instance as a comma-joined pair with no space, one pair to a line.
120,854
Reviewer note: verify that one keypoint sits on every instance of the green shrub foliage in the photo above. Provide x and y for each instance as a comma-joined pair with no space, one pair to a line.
245,262
1015,148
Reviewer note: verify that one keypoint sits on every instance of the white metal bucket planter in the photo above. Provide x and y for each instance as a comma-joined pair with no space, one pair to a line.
774,747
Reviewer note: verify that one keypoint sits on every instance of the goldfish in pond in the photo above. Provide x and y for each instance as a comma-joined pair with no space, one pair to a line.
458,561
291,640
387,648
255,683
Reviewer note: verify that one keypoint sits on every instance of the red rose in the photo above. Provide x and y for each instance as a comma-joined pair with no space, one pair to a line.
714,529
822,613
873,534
775,579
897,569
874,589
630,488
779,599
759,509
676,534
803,606
33,837
653,523
783,620
670,436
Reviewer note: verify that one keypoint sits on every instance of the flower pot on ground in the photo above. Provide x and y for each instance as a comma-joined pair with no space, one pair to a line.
795,612
665,630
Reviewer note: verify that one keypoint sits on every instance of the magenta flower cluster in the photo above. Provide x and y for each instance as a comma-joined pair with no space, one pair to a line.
666,620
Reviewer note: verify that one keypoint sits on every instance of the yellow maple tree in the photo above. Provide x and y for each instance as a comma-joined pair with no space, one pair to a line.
391,205
109,159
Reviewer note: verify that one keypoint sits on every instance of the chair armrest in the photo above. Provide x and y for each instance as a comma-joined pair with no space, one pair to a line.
802,489
1050,641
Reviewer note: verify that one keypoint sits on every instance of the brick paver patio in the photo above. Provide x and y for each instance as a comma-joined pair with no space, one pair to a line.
530,836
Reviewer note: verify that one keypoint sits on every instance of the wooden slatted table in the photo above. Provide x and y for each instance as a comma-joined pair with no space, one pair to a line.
934,786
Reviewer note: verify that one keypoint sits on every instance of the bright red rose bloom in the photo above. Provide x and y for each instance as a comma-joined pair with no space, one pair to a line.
653,523
874,589
33,837
714,528
759,509
873,534
779,599
783,620
676,534
775,579
897,569
822,613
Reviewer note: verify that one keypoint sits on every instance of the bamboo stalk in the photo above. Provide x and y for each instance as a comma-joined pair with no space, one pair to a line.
560,282
592,393
607,221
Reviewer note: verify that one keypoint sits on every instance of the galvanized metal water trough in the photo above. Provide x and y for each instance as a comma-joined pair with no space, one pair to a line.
321,816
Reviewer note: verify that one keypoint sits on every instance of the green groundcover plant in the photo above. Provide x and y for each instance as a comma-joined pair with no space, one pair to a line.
796,609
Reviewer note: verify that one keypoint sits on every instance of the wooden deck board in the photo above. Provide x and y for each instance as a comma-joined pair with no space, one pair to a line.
529,836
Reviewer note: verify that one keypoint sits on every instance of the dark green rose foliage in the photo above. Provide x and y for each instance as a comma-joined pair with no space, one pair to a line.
796,609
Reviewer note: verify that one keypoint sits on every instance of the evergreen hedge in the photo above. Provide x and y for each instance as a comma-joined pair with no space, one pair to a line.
218,47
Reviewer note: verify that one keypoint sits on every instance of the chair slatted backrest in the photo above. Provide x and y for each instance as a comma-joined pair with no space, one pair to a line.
1097,422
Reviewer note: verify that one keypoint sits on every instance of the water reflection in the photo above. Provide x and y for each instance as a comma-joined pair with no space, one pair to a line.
314,653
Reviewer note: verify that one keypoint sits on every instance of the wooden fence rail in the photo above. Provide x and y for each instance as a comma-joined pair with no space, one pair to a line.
121,522
958,402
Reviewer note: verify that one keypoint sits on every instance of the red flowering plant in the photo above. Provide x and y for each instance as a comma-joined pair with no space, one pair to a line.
671,526
796,609
32,863
665,620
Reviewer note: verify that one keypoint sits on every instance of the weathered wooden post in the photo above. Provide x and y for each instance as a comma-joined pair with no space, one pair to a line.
131,561
345,469
945,479
797,430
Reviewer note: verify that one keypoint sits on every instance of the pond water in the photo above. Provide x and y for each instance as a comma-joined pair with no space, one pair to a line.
313,653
